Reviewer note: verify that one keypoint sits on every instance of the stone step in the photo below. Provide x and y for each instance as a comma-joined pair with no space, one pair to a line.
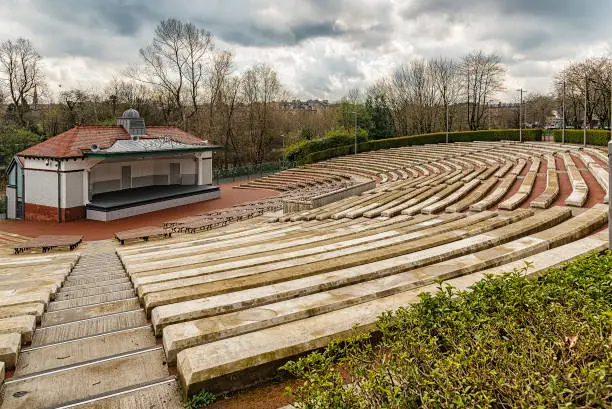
91,311
267,293
85,280
88,327
162,394
67,295
55,387
37,309
188,334
94,299
70,286
47,357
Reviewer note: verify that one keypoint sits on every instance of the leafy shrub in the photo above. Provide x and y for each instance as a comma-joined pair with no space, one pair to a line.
311,154
594,136
201,400
510,342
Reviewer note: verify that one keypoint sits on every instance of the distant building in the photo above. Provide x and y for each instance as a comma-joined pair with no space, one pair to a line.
110,172
309,105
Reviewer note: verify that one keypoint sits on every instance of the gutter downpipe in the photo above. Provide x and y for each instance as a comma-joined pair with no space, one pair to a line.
59,193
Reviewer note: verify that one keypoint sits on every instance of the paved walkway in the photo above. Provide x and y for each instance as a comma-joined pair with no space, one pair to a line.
94,230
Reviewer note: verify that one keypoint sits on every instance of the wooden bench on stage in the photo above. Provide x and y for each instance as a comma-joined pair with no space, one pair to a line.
142,233
49,242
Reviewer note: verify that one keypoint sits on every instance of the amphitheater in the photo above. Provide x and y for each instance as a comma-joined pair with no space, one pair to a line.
134,326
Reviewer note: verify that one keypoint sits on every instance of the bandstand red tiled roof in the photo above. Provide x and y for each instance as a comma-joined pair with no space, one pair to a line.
72,143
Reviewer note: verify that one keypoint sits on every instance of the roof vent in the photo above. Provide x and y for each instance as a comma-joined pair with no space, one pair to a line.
135,137
95,148
132,123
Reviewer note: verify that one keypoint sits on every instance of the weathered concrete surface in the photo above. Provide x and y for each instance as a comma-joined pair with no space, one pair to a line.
92,326
80,313
10,345
199,366
163,395
87,380
72,352
94,299
22,324
35,309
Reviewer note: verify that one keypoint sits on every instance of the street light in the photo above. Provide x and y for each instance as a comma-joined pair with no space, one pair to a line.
355,114
521,90
563,104
283,136
586,85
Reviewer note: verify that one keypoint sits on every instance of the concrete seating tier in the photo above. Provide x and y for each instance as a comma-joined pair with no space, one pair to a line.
230,335
524,189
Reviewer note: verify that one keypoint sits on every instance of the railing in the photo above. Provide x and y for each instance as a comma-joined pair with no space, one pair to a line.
249,171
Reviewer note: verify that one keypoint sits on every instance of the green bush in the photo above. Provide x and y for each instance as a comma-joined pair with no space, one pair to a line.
201,400
332,139
510,342
594,136
310,156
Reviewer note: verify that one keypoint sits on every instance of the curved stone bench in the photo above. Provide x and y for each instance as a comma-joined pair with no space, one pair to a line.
580,190
452,198
441,194
500,191
552,186
477,195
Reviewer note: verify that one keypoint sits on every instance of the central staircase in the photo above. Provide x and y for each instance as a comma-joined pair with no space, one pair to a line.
94,348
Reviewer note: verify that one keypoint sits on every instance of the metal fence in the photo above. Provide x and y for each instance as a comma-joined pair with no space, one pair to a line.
249,171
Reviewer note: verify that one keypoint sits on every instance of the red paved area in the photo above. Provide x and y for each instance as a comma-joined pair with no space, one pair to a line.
94,230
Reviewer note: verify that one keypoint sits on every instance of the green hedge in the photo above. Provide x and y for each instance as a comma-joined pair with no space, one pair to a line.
333,139
594,136
439,137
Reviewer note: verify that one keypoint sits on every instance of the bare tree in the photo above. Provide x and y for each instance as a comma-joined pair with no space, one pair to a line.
20,67
445,75
220,71
175,61
484,76
261,89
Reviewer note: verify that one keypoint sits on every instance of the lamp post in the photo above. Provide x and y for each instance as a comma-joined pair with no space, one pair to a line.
283,136
521,90
563,114
355,115
447,122
584,132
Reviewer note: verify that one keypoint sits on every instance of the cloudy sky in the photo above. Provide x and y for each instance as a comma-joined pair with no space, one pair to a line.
320,48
